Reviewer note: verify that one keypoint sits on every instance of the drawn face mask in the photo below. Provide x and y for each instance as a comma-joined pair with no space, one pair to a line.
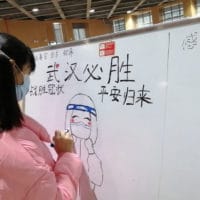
22,90
80,124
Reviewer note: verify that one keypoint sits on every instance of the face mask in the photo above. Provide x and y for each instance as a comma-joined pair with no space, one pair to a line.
22,90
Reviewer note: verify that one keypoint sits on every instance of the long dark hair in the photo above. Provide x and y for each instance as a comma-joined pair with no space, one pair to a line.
10,113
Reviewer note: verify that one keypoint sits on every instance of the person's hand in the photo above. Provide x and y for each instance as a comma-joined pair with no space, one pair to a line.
63,142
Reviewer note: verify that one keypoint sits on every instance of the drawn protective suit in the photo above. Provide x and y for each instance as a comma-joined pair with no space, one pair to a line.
28,171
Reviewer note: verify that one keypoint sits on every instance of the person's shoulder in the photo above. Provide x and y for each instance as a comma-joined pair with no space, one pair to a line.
30,122
36,127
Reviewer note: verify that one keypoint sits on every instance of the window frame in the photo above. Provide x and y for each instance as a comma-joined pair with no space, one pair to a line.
172,11
79,29
58,32
117,25
142,16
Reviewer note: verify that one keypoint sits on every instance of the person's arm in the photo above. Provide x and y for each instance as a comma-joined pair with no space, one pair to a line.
60,181
59,184
67,178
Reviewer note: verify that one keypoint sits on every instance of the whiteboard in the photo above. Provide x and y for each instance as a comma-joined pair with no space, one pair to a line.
131,104
181,151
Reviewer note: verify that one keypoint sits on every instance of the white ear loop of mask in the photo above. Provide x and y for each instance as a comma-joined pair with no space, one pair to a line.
2,53
12,61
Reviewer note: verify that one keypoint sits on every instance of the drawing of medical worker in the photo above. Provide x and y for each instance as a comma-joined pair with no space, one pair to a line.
81,119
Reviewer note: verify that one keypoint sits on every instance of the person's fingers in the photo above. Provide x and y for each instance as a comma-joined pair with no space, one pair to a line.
68,135
57,133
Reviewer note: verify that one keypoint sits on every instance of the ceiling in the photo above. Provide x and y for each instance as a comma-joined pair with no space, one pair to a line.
72,9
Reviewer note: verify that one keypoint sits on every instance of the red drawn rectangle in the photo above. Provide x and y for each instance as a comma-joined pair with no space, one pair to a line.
107,48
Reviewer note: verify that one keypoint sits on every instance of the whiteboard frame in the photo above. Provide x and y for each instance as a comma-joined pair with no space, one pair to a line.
112,36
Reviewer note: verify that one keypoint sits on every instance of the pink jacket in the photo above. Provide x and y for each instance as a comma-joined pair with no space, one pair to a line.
28,171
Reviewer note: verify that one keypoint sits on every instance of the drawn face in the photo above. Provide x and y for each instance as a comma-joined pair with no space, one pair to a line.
80,124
